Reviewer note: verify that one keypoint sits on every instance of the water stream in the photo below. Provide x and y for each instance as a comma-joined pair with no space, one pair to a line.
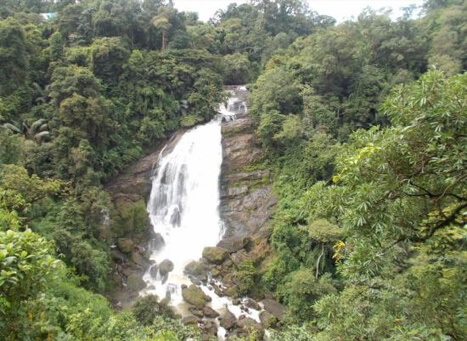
184,210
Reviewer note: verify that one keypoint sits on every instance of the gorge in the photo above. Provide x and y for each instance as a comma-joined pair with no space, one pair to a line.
209,187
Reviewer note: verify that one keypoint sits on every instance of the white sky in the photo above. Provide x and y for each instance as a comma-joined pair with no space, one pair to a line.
339,9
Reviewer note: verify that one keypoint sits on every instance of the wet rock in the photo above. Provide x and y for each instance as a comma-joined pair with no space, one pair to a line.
194,296
153,271
210,328
190,320
139,259
166,266
228,320
252,326
195,281
196,269
125,245
175,219
209,312
218,291
234,244
184,286
197,312
135,282
267,319
118,257
157,242
273,307
250,303
215,255
236,301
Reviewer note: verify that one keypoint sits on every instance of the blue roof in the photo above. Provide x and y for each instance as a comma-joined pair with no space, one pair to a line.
48,16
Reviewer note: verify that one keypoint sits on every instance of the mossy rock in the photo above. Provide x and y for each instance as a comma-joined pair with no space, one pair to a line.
215,272
232,292
215,255
194,296
125,245
166,266
267,319
190,320
196,269
135,282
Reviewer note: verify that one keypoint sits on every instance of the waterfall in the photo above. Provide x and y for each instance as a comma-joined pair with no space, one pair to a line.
184,205
184,210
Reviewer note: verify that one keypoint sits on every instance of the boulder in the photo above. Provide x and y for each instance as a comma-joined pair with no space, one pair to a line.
196,269
234,244
157,242
228,320
215,255
197,312
210,328
250,303
267,319
118,257
139,259
218,291
125,245
166,266
194,296
252,326
135,282
209,312
190,320
153,271
273,307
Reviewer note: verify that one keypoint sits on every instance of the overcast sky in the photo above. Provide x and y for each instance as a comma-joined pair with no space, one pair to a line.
339,9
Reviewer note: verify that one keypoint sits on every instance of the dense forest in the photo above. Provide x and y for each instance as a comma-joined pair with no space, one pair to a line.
364,128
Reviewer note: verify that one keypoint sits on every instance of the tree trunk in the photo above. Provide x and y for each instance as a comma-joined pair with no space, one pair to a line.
319,259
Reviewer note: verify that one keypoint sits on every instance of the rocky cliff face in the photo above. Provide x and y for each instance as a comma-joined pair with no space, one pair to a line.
247,201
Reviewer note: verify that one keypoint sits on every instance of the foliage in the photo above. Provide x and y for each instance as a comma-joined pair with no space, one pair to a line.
368,166
245,277
399,196
147,308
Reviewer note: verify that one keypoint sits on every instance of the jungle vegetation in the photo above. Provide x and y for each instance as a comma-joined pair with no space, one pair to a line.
363,124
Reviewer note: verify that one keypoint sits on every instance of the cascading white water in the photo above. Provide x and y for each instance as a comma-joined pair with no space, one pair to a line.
184,209
184,203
